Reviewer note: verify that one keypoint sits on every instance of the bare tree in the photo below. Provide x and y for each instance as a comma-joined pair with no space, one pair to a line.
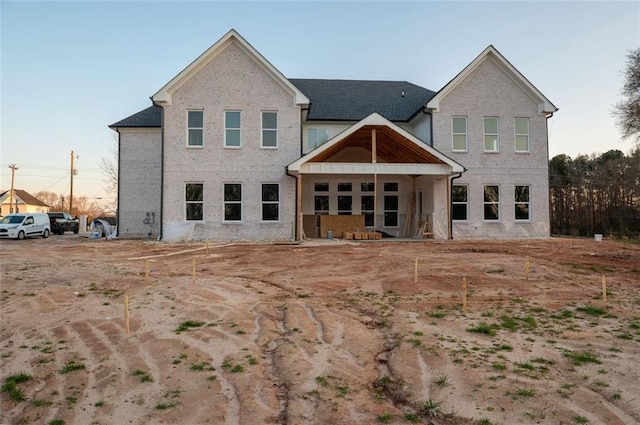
627,111
109,167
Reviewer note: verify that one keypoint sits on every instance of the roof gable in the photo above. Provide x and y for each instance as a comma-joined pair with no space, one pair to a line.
325,150
22,195
354,100
163,96
491,53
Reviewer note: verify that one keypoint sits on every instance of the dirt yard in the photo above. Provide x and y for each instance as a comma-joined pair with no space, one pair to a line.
320,333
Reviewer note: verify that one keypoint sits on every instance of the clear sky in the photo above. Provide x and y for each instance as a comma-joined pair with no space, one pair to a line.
69,69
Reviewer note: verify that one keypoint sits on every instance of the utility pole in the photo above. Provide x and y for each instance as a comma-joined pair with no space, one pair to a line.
73,172
13,171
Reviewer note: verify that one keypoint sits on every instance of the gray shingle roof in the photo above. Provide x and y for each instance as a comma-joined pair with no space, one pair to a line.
150,117
353,100
334,100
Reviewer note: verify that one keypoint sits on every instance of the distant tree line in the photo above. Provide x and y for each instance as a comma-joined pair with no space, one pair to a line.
595,194
93,208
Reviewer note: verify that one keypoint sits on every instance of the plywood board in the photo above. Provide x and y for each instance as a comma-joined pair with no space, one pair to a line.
341,223
309,225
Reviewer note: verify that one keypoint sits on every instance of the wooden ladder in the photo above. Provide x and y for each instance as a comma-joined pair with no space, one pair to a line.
424,230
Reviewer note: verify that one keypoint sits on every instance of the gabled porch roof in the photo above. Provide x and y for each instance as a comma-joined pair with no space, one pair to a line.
392,150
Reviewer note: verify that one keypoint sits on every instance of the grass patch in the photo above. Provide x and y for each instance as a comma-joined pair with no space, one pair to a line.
384,418
442,381
578,358
483,328
143,376
592,311
437,313
166,405
11,389
186,325
37,402
396,391
71,366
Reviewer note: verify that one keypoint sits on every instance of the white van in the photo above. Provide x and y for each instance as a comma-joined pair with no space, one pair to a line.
21,225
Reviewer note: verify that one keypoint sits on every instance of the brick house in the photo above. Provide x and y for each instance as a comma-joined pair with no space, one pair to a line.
232,149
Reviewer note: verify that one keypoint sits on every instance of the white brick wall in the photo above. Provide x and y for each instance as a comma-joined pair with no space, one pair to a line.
140,174
231,81
489,92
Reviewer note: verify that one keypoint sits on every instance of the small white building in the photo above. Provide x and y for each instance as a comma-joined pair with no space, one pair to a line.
233,149
21,202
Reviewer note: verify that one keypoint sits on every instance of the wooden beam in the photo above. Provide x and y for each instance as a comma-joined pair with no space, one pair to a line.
373,145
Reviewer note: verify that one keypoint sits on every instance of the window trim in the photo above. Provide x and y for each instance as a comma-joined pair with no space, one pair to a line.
516,203
465,203
263,202
516,134
485,203
485,134
190,146
225,202
263,129
239,129
193,202
466,134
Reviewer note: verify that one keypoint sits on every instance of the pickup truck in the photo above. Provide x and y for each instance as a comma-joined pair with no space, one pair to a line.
63,222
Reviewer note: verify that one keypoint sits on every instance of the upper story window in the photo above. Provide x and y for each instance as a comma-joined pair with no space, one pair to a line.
316,137
522,134
492,202
195,128
232,120
460,203
459,131
490,134
269,129
193,196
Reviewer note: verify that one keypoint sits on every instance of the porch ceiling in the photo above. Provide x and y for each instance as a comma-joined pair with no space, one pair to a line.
391,147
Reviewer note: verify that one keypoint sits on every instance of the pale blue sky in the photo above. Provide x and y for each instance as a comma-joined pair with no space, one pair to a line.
69,69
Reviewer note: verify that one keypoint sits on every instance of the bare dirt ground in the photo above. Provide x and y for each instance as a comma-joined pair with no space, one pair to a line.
320,333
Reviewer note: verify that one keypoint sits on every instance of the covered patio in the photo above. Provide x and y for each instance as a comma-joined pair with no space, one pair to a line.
387,179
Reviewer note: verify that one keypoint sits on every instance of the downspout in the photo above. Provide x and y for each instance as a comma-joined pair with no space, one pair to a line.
161,165
161,172
118,189
450,205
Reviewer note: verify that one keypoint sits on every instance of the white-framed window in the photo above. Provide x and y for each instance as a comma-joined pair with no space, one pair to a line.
232,202
521,126
522,202
367,200
492,202
195,128
270,202
321,200
232,125
390,204
269,129
316,137
459,132
490,134
194,201
345,200
460,202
